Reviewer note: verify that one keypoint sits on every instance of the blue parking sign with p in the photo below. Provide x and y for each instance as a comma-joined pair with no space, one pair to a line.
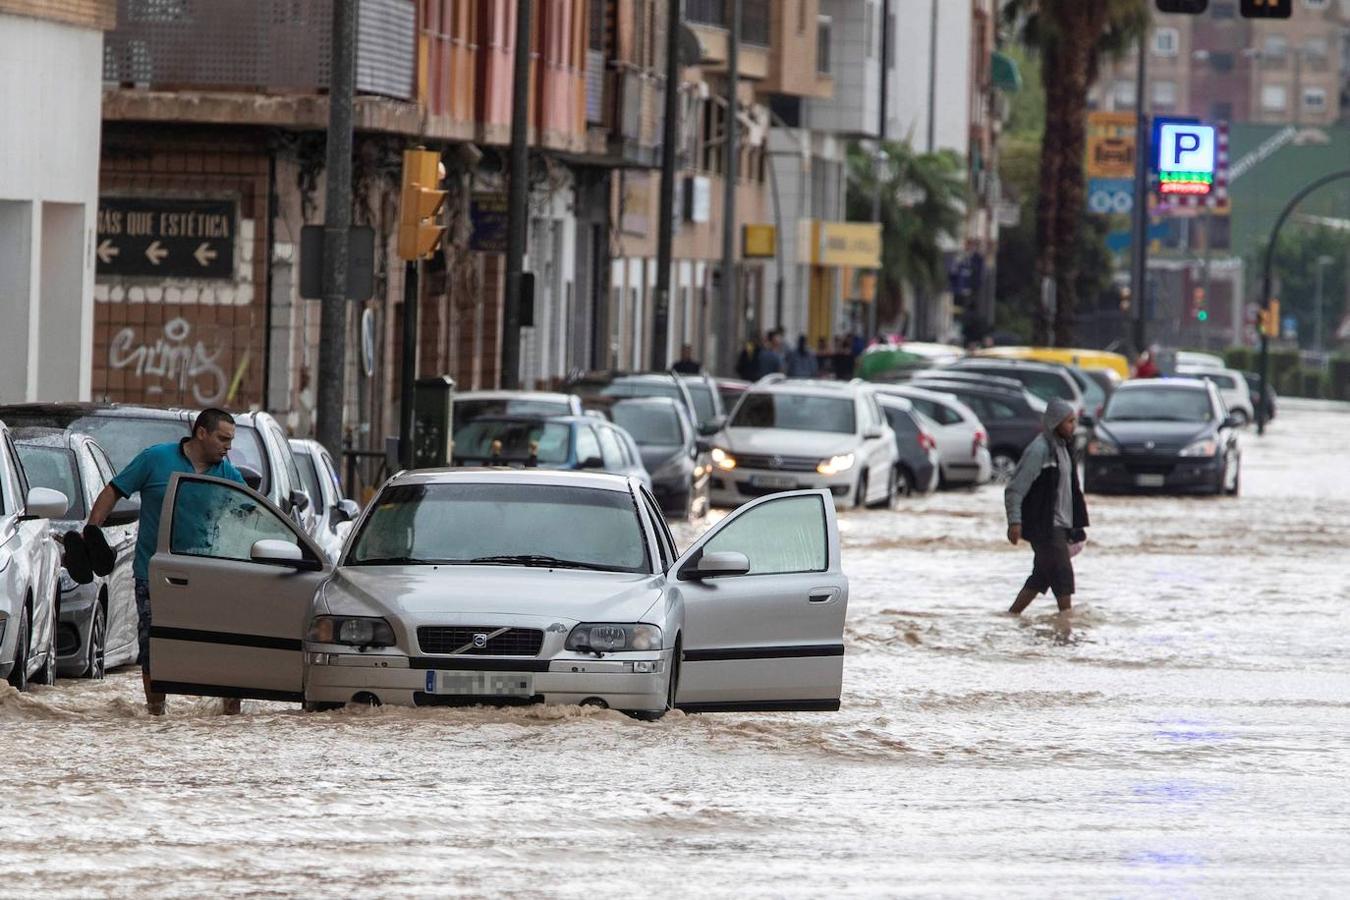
1186,147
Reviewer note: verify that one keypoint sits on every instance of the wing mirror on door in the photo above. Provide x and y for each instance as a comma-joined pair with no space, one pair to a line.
252,477
720,564
127,511
345,510
45,503
281,553
299,501
710,427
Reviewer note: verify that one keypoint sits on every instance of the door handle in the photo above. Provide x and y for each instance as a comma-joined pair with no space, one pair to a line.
172,579
822,596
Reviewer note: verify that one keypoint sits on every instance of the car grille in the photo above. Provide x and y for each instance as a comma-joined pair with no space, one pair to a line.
449,638
774,463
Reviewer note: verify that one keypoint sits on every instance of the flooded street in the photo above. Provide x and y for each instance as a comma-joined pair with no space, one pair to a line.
1187,734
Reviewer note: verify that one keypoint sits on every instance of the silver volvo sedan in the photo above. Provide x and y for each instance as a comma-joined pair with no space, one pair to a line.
501,586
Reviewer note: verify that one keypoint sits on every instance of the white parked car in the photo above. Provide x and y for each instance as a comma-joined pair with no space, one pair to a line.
501,585
30,573
789,435
471,405
333,512
961,437
1233,388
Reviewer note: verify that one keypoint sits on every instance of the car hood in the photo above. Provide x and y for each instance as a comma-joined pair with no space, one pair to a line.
444,593
1165,435
789,443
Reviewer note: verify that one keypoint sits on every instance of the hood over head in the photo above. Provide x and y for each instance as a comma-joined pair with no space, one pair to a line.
1056,411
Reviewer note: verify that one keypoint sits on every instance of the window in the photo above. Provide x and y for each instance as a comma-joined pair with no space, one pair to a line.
1158,404
1314,99
1123,92
123,437
1315,4
513,440
823,29
801,16
649,423
587,446
940,413
664,544
1221,62
1276,47
55,468
247,450
596,40
1274,97
1224,9
1166,42
309,474
869,30
795,412
220,521
1165,93
1315,49
778,537
287,459
610,451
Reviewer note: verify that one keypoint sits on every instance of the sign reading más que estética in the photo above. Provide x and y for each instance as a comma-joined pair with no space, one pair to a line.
159,237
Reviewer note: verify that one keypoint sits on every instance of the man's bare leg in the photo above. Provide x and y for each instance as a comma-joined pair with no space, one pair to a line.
1024,598
1065,602
231,706
154,700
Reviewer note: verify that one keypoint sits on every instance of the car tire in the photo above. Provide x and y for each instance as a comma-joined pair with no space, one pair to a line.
860,495
1236,489
18,676
1001,465
97,664
47,674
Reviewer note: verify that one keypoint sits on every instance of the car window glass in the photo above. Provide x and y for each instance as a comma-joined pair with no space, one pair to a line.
943,415
519,438
654,515
331,473
20,478
778,537
105,468
122,437
648,423
221,521
609,449
309,475
587,445
703,401
55,468
247,450
1159,405
288,459
900,422
795,412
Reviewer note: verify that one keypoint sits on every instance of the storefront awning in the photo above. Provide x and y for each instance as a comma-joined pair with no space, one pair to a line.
1007,75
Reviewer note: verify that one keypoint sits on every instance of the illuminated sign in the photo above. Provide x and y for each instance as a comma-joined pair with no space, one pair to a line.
1185,155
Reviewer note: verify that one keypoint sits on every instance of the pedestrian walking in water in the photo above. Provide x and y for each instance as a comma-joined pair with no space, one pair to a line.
1045,505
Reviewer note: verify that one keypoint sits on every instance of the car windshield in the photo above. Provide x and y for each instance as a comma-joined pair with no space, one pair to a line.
55,468
1222,382
1093,395
554,526
549,441
648,423
643,389
703,400
247,450
795,412
468,410
122,437
1158,405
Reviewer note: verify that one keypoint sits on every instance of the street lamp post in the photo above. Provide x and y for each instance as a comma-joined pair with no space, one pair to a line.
1322,263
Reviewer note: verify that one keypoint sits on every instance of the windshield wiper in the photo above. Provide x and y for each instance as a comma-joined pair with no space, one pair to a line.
395,561
539,560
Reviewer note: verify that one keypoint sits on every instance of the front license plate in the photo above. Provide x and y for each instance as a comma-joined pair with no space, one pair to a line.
1150,480
777,482
480,684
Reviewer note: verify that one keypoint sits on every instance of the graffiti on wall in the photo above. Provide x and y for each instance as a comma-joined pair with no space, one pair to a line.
173,360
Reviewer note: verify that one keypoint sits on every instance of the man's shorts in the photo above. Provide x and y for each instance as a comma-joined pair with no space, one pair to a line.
143,624
1052,569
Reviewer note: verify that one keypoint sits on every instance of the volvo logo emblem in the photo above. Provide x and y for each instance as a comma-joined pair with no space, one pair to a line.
1149,445
775,462
480,641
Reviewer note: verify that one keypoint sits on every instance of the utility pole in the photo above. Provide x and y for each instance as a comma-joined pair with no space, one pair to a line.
1139,219
665,234
517,198
337,218
728,318
932,72
880,155
1322,263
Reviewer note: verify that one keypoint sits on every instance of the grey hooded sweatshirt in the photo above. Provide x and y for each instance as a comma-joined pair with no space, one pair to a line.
1045,450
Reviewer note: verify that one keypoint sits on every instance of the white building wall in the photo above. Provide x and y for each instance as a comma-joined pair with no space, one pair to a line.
50,125
909,100
854,48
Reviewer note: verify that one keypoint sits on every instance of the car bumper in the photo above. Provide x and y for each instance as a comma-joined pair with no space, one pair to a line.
739,486
1175,474
341,677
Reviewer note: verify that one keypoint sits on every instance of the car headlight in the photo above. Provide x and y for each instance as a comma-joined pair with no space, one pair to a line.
606,638
1205,447
68,584
723,459
836,464
355,631
1099,447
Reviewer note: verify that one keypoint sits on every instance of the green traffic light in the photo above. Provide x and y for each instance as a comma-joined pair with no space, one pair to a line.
1202,315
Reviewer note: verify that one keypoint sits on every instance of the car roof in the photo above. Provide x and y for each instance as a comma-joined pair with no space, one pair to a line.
973,385
515,395
902,388
610,377
1175,384
564,419
814,387
79,410
995,362
895,400
502,475
663,402
44,436
1188,369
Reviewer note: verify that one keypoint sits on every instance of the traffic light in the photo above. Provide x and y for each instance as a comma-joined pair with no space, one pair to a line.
1267,9
1269,319
419,231
1198,304
1185,7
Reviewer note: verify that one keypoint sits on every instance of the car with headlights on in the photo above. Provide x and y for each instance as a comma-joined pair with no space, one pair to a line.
675,455
30,572
791,434
96,622
503,586
1164,434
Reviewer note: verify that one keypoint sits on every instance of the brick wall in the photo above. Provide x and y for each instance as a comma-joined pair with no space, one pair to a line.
101,14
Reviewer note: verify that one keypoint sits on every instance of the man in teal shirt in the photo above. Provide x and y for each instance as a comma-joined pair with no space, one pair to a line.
204,453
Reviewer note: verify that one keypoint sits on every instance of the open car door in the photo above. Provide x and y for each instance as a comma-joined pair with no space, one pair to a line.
229,612
764,600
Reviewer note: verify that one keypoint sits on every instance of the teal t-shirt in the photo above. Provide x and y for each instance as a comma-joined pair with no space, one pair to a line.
149,473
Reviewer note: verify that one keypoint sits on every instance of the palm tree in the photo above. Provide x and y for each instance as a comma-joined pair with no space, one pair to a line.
923,206
1072,37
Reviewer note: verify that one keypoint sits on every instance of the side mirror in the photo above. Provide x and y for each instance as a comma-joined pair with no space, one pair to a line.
345,511
721,564
592,462
709,427
280,553
872,433
45,503
299,500
126,512
252,477
1231,422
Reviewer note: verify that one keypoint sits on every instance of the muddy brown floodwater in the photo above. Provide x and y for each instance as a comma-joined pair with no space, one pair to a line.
1188,734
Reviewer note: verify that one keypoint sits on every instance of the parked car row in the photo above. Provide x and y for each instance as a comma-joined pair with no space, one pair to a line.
55,459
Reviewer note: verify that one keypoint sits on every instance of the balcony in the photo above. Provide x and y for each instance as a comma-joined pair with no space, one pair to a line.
717,13
257,46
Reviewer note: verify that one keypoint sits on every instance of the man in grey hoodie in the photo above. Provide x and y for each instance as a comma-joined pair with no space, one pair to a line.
1045,505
